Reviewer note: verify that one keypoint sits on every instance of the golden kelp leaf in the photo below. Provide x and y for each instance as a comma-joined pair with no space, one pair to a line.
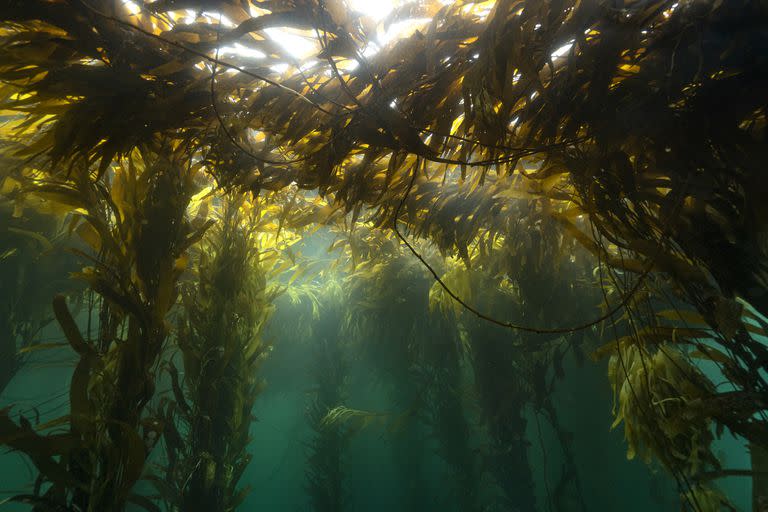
459,281
61,195
341,414
58,422
8,253
181,263
134,456
650,336
754,329
169,68
89,235
299,272
40,449
165,294
9,185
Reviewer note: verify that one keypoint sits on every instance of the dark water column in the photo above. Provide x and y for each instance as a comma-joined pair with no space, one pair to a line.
441,362
760,480
503,401
8,359
325,472
408,445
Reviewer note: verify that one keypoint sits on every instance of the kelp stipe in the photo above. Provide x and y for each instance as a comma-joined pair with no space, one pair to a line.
420,356
135,226
326,448
379,318
441,379
224,309
525,276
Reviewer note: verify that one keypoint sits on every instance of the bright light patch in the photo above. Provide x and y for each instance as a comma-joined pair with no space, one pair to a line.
377,10
279,68
300,47
225,22
132,7
182,17
479,9
669,11
563,50
371,50
347,65
242,51
308,65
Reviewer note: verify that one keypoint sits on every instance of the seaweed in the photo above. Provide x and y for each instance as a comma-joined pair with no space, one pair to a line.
496,137
324,473
224,311
135,229
424,366
34,268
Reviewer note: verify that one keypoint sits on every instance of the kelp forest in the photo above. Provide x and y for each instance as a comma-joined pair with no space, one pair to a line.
377,255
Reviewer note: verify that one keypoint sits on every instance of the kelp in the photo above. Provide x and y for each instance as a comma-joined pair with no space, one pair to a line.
672,411
553,98
136,232
759,463
224,311
521,276
325,468
633,129
425,362
662,380
375,321
34,268
441,377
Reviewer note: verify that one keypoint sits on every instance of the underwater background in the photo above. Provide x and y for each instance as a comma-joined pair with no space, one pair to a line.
380,467
417,255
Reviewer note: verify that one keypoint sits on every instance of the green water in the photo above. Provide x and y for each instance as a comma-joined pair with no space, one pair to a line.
378,466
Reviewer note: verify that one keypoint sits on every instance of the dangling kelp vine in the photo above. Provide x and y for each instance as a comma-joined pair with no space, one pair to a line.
636,129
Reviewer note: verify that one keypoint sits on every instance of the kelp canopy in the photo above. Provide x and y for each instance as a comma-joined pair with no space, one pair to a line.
558,168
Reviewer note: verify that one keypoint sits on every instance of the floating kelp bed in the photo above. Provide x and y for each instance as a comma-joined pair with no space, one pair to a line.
327,255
